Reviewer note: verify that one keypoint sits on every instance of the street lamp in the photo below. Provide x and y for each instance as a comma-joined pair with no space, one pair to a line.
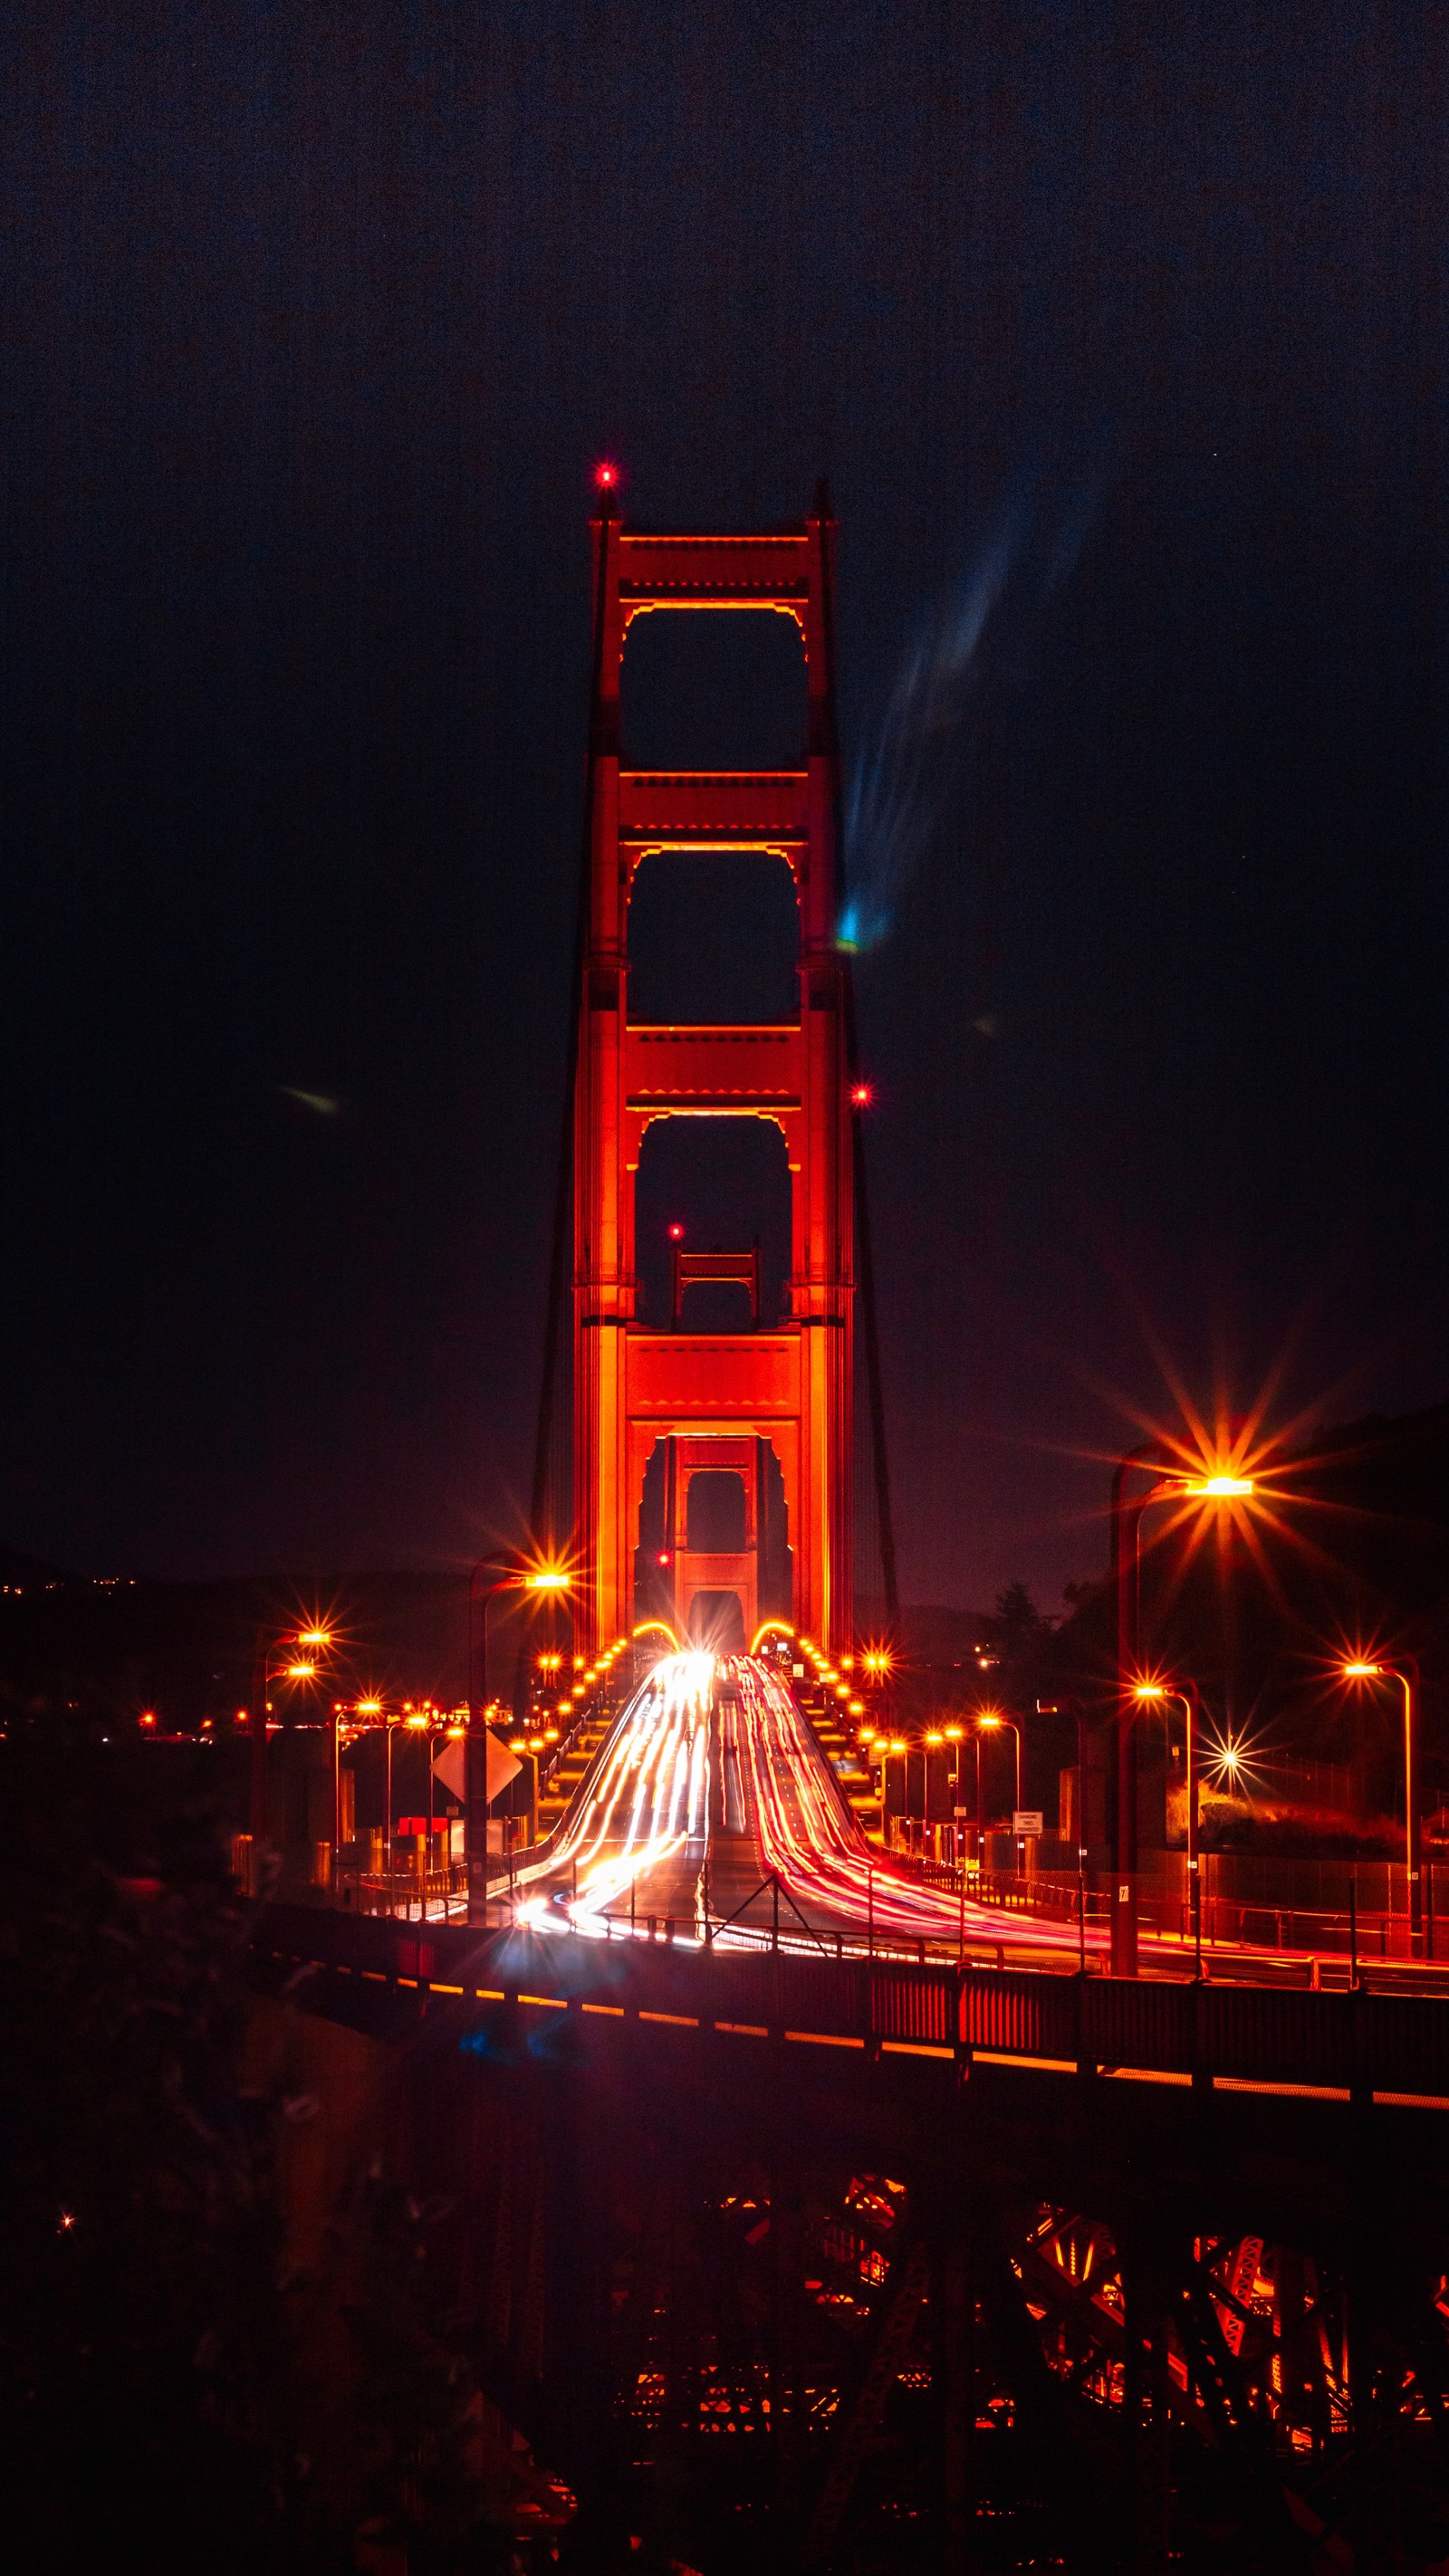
298,1667
1149,1694
955,1736
1406,1674
1054,1708
989,1722
889,1745
1173,1484
544,1581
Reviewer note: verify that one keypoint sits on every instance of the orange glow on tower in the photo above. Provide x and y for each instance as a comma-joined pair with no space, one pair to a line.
719,1398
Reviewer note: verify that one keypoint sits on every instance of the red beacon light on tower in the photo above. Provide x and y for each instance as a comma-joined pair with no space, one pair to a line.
861,1095
676,1234
606,476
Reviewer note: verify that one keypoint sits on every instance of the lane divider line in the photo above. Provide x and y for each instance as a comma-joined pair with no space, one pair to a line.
1298,2092
1144,2075
824,2039
1032,2065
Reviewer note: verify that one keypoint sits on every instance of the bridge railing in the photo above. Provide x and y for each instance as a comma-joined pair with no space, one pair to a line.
1253,1923
1351,2045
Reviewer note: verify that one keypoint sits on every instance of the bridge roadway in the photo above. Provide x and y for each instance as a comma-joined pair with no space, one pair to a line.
710,1794
709,1790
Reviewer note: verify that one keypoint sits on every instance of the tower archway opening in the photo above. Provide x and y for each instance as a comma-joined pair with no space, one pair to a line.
704,1527
726,1183
716,1512
717,1623
713,938
702,692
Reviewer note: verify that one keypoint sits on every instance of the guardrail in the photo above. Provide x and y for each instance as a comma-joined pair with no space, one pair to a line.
1346,2047
1254,1923
397,1891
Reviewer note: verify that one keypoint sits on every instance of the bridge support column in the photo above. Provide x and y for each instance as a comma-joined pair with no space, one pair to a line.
788,1380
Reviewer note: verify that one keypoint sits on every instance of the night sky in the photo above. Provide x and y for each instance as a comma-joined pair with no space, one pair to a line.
1120,335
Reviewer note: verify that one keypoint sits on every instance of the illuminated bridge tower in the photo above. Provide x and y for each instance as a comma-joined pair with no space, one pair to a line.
713,1395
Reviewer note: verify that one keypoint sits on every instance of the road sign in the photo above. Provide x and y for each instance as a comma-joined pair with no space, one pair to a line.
1026,1820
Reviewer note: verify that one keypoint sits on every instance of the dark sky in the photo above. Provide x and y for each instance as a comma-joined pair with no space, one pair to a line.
1130,323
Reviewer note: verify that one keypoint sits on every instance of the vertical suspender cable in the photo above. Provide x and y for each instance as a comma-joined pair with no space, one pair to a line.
540,1517
865,1263
874,1387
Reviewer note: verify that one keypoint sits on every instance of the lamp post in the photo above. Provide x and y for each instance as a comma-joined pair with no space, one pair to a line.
894,1744
505,1579
1406,1674
990,1722
1053,1708
368,1708
1150,1694
300,1650
1173,1484
955,1736
545,1582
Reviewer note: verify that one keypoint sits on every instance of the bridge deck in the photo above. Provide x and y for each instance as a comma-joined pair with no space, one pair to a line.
1390,2051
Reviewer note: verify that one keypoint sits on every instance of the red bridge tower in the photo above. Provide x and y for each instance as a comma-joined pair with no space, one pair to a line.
712,1395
